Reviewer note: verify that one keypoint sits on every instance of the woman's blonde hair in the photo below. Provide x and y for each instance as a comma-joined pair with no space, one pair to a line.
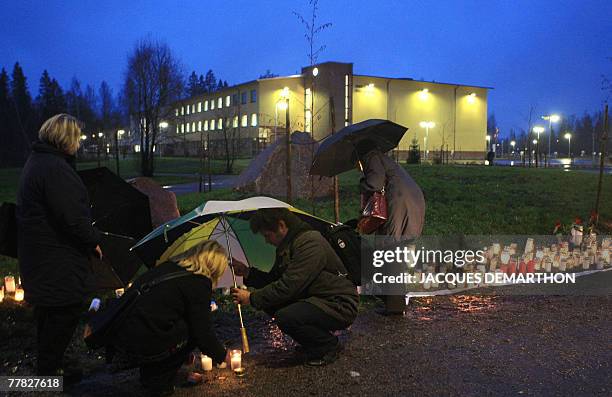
207,258
62,131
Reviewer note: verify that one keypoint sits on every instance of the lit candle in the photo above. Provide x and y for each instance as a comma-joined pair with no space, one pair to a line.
206,363
9,282
18,294
236,359
119,292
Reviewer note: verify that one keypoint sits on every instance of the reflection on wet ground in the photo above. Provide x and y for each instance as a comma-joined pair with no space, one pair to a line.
433,308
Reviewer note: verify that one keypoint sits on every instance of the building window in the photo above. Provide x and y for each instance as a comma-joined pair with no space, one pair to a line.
193,127
220,103
212,124
235,123
188,108
176,112
199,126
307,110
254,120
235,99
205,125
206,106
177,129
245,120
243,98
212,104
346,100
227,100
193,108
220,124
182,128
188,127
253,95
182,110
199,107
136,148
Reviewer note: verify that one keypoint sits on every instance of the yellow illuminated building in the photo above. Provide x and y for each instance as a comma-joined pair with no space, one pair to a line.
441,116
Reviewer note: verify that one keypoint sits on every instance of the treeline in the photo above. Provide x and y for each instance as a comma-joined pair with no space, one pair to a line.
585,132
98,108
21,115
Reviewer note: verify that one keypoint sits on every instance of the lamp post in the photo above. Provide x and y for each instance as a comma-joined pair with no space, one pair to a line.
513,144
118,135
538,130
552,118
488,139
568,136
163,125
285,96
427,125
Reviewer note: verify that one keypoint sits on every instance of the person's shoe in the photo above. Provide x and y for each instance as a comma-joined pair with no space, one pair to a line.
327,358
72,376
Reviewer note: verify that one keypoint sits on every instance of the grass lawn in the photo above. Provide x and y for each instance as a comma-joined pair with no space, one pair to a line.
130,166
460,199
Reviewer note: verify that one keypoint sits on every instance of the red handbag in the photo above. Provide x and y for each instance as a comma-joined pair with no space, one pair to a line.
374,213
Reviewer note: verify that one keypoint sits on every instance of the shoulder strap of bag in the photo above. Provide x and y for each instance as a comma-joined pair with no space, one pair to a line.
166,277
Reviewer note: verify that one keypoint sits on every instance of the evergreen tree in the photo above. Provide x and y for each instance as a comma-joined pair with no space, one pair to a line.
220,85
225,85
7,136
22,111
74,98
50,100
193,85
210,81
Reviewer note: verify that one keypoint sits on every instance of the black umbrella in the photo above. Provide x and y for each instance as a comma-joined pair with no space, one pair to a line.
336,153
122,213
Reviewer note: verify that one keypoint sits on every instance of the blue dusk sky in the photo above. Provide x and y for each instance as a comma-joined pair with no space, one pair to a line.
546,54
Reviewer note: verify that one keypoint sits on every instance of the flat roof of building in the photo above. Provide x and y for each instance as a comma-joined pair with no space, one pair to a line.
422,81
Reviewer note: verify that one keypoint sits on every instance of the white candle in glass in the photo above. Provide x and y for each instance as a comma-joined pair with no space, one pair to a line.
206,363
19,295
9,282
236,359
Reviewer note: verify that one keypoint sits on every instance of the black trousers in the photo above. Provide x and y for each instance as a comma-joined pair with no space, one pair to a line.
55,327
158,375
310,327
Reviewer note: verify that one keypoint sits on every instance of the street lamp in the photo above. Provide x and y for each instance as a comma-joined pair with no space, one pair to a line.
552,118
513,144
568,136
427,125
538,130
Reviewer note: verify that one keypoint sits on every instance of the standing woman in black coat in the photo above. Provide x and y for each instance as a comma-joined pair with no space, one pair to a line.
55,240
174,317
405,202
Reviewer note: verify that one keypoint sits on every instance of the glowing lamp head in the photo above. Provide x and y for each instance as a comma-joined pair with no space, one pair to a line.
535,141
555,118
315,72
83,137
100,135
472,97
424,94
568,136
121,132
512,143
538,129
488,138
427,124
163,124
282,105
285,93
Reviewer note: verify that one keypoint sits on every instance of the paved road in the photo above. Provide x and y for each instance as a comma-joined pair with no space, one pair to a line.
218,182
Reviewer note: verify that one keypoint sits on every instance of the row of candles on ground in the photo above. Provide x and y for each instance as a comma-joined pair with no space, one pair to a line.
500,259
11,289
206,364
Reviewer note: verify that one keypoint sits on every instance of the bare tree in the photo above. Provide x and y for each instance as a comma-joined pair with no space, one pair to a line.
153,80
312,30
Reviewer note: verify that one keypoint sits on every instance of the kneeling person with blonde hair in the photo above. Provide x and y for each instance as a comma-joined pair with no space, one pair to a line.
174,317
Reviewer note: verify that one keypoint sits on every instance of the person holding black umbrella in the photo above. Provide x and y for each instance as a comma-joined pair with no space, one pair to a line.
55,240
405,202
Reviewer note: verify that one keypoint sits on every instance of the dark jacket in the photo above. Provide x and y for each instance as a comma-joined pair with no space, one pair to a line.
306,269
172,313
405,201
55,235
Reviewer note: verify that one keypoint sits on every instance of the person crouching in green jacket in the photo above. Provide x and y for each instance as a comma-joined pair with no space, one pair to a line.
306,290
